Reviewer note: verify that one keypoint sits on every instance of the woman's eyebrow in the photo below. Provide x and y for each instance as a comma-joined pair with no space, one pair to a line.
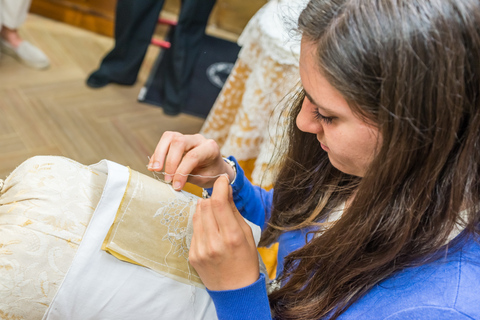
316,104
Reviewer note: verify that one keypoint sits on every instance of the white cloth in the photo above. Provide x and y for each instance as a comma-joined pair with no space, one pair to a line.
13,12
99,286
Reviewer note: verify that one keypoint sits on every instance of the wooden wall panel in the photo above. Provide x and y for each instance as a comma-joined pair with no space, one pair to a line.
98,15
233,15
94,15
228,15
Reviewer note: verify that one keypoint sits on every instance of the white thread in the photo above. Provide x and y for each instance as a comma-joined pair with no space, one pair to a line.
193,175
189,174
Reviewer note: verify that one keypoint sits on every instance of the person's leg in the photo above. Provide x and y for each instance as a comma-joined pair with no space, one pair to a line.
135,23
183,54
13,14
1,17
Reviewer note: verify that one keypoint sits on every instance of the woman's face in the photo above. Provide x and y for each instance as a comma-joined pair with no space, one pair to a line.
349,141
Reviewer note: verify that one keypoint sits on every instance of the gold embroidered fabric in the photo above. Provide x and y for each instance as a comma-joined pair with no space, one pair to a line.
45,207
246,119
153,228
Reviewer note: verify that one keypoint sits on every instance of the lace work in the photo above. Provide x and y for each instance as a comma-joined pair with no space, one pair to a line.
153,228
173,215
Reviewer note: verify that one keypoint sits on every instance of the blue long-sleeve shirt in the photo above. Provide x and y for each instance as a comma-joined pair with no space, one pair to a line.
448,288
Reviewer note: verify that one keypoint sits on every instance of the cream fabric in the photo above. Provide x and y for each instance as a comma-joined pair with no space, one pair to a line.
13,12
45,207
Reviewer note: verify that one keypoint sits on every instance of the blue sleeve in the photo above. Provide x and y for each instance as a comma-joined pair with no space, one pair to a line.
246,303
251,302
253,202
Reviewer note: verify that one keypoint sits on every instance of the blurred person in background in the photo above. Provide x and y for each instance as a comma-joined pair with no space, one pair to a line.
12,15
135,22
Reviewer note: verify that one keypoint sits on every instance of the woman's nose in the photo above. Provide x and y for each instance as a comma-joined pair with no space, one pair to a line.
306,121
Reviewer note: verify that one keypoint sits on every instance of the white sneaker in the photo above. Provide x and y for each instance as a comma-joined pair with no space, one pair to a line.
26,53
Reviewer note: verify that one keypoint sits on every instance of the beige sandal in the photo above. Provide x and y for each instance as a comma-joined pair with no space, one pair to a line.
26,53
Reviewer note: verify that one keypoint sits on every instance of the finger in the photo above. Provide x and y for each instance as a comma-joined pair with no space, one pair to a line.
209,223
158,157
191,161
206,244
185,167
221,189
179,145
224,213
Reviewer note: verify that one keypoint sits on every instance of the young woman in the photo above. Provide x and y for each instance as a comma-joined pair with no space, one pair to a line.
376,208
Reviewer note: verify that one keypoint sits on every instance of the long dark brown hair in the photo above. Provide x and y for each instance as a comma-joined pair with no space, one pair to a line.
412,68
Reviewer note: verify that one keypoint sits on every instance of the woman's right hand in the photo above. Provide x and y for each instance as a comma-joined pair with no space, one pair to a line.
179,155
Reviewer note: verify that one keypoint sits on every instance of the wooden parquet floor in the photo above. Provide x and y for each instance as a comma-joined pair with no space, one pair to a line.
53,112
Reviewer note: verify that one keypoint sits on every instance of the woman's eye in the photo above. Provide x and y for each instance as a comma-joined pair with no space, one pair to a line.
317,115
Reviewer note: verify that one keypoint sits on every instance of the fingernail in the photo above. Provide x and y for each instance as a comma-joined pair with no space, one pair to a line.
168,178
227,177
156,165
176,185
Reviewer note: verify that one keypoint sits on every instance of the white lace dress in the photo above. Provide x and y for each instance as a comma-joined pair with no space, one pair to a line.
246,119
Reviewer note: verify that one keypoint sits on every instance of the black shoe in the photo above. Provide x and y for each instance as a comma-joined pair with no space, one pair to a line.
95,81
171,111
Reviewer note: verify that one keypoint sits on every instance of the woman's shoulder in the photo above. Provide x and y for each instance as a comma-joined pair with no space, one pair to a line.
447,288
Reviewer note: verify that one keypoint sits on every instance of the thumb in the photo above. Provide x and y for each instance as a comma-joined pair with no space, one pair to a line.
221,188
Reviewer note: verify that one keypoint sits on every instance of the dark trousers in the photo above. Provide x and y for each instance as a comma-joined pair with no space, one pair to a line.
134,27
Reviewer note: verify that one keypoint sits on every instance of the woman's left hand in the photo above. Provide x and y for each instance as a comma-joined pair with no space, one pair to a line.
223,250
